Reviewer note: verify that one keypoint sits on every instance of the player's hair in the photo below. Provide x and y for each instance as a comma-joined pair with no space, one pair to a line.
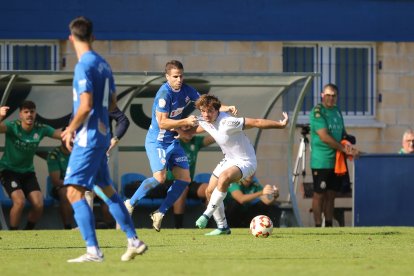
331,86
82,28
173,64
27,105
208,100
407,132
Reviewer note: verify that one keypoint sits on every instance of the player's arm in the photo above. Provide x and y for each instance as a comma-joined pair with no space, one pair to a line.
113,103
229,108
57,134
85,107
245,198
265,123
329,140
208,140
269,194
122,125
166,123
3,112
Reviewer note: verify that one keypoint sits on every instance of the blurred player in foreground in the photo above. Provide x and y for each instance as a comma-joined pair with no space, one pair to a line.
93,98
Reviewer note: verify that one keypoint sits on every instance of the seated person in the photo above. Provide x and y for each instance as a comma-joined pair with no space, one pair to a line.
407,142
248,199
191,144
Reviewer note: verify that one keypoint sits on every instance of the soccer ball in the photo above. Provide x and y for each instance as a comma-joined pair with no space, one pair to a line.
261,226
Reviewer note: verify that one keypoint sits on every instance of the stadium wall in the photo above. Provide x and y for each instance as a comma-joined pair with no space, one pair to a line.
247,20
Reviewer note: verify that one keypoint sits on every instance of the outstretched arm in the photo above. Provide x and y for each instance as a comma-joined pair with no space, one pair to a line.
265,123
3,112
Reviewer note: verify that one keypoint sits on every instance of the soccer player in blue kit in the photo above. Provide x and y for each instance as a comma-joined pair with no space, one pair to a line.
161,144
93,98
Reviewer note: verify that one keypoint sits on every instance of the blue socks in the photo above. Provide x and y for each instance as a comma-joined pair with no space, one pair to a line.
173,194
120,213
86,221
143,189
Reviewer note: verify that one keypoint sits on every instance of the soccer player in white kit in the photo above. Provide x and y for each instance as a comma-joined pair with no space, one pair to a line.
239,155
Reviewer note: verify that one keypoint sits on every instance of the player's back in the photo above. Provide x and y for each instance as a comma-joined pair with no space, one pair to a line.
94,75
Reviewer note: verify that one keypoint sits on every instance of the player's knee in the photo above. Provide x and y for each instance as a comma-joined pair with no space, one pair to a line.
19,202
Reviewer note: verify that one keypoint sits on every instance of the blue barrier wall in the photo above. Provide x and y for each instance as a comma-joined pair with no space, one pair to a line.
384,190
252,20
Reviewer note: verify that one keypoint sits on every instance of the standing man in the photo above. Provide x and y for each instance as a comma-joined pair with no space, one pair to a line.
239,155
327,131
163,148
17,172
93,98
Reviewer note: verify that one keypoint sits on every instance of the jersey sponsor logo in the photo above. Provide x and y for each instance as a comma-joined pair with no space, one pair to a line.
176,112
162,103
187,99
36,136
232,123
181,159
163,161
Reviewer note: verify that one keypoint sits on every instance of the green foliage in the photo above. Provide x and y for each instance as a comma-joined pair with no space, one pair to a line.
289,251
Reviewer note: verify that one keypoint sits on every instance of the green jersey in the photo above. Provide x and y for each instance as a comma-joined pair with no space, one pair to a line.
57,160
20,146
191,149
251,189
322,155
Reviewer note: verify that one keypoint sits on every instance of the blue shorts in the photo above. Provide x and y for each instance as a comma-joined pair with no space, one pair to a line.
165,156
88,167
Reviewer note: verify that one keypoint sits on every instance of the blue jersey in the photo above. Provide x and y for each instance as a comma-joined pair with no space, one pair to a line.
171,102
93,75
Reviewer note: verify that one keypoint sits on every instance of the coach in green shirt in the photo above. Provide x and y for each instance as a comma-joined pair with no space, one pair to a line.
327,131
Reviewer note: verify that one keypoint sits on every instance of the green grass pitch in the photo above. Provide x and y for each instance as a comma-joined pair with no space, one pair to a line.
288,251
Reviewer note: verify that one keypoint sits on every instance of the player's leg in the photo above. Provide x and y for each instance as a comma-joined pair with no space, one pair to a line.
221,221
319,189
228,171
79,178
32,191
16,211
11,183
119,212
177,160
156,155
229,175
179,209
203,219
333,186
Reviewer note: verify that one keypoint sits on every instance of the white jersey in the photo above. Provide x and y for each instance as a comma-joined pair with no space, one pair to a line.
228,133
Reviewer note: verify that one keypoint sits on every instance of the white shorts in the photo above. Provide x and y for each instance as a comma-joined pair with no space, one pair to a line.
247,167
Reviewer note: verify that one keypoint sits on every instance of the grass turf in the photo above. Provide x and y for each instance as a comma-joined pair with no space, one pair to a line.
289,251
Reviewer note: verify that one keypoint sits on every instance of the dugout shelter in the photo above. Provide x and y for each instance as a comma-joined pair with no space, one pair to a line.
255,95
